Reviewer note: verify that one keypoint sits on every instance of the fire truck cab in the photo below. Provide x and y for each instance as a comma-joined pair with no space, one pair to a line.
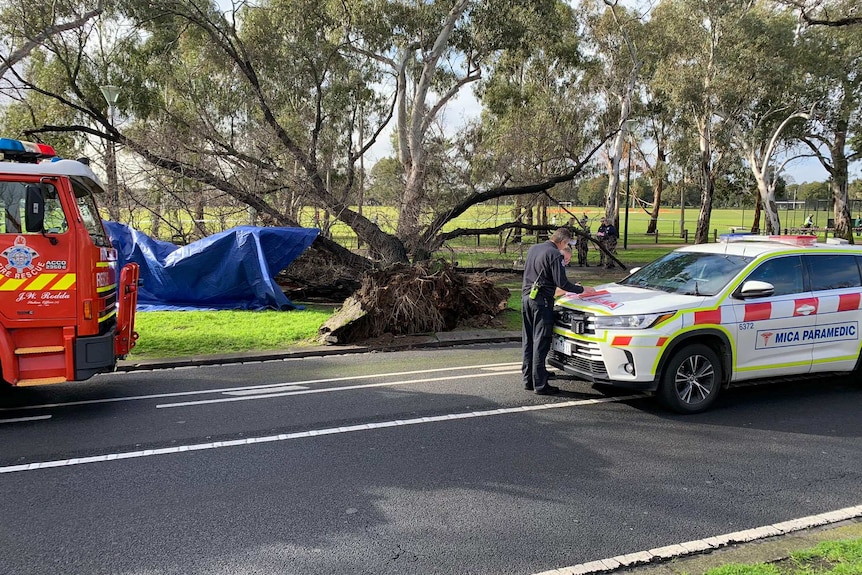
66,311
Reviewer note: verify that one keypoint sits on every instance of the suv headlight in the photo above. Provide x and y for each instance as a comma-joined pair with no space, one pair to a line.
639,321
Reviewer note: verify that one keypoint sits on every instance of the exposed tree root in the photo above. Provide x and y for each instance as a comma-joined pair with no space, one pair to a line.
413,299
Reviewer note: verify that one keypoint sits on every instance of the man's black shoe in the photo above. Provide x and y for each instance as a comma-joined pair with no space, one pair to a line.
528,387
548,390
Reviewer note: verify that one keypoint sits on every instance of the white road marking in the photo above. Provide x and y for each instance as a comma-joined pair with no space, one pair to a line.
325,390
258,387
23,419
306,434
708,544
288,387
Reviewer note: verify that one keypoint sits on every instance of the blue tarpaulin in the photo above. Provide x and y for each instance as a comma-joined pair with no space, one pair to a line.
233,269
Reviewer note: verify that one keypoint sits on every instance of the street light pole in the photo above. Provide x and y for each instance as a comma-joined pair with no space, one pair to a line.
112,94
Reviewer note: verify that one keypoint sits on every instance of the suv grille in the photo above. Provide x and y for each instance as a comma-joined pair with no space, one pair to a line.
575,321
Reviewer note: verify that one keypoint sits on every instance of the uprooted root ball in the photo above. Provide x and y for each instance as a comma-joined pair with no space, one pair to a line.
413,299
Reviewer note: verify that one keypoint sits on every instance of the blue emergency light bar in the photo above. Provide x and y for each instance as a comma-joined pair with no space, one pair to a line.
28,152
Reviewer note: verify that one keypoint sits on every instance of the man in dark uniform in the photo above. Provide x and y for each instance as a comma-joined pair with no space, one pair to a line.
543,273
608,235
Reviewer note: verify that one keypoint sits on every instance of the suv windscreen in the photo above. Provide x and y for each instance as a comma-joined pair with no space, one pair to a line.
689,273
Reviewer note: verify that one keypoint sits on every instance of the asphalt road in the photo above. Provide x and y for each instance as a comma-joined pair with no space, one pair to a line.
408,462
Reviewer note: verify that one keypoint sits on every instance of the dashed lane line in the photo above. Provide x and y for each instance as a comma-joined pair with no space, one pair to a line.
294,391
279,389
668,552
307,434
25,419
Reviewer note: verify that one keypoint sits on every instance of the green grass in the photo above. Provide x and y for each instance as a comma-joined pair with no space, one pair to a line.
191,333
845,551
828,558
737,569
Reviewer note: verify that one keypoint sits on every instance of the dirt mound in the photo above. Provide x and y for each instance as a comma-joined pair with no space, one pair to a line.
413,299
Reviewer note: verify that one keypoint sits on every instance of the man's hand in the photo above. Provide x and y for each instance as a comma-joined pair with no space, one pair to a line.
587,291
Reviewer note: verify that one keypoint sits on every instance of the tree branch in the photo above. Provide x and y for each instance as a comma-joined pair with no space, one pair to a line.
7,63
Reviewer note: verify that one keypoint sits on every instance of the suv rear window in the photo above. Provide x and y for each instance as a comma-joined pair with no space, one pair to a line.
833,271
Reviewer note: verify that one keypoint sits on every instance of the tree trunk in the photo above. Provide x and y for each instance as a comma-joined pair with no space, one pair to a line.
755,222
839,185
517,213
766,198
701,234
841,211
411,206
658,187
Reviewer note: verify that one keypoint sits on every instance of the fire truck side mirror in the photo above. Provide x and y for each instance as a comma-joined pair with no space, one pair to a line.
34,218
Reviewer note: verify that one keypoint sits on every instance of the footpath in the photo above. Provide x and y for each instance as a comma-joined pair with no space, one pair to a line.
763,545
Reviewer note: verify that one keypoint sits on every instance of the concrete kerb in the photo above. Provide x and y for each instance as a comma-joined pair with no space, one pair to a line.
436,340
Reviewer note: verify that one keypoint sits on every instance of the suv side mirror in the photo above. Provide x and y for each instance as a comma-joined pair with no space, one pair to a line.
34,217
754,288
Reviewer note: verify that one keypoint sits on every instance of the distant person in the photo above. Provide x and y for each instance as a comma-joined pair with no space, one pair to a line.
608,235
583,242
809,222
543,273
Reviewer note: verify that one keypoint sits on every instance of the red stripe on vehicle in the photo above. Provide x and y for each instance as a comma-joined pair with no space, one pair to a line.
757,311
661,341
849,301
812,301
711,316
622,340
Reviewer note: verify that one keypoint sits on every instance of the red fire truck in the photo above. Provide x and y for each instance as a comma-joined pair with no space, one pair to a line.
65,315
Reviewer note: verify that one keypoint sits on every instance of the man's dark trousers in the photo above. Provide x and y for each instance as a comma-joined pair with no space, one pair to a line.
538,316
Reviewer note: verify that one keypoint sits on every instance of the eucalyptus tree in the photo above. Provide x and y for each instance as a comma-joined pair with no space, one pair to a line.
534,121
614,34
433,51
655,129
833,66
770,103
698,71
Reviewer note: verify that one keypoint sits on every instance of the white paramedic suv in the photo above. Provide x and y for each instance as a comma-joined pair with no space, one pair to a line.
705,316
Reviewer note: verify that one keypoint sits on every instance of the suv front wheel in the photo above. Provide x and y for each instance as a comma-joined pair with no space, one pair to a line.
691,380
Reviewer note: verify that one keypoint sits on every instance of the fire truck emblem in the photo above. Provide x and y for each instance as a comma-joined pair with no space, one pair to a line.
20,256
